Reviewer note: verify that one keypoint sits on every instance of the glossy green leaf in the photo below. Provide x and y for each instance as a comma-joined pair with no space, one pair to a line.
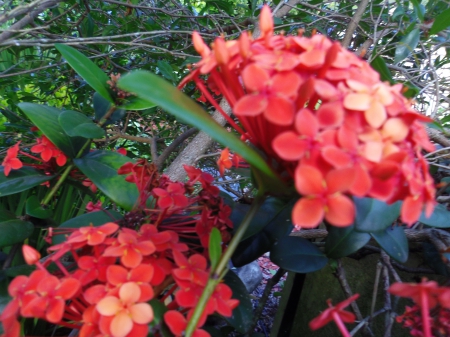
136,103
380,66
441,22
341,242
95,218
419,9
399,11
157,324
46,119
21,180
6,215
168,97
407,45
373,215
101,168
87,69
394,242
102,106
440,218
34,208
14,231
243,313
76,124
298,255
167,71
215,247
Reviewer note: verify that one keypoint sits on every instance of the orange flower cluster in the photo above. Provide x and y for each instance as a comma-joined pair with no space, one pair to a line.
48,150
322,115
115,273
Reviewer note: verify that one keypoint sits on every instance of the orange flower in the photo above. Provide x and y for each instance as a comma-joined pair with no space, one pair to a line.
224,161
11,161
125,310
48,150
172,196
93,235
323,197
177,323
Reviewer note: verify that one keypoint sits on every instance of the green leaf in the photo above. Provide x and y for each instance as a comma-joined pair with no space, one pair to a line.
394,242
95,218
373,215
136,103
46,119
87,69
440,218
380,66
153,88
441,22
6,215
14,231
34,208
406,45
419,9
76,124
157,324
167,71
399,11
215,247
101,168
243,313
344,241
102,106
298,255
21,180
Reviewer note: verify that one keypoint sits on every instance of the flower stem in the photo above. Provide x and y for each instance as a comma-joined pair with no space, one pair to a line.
218,273
424,307
58,184
341,326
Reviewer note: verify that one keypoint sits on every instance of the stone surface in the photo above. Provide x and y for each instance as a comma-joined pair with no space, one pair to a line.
250,274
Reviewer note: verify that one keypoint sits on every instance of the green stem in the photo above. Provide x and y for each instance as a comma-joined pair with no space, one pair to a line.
217,275
55,188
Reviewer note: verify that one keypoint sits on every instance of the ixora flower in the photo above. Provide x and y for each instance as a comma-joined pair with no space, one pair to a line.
11,162
320,113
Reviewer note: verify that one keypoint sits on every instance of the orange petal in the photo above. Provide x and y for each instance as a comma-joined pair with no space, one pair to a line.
250,105
373,151
411,209
359,102
280,111
309,180
340,211
141,313
129,292
109,306
336,157
313,58
131,258
116,274
255,78
289,146
121,325
308,213
362,183
340,180
266,21
306,123
375,115
330,115
395,129
55,310
325,90
286,83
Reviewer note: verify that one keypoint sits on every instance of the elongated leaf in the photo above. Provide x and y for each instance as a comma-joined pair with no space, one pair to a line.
136,103
167,71
157,90
101,167
380,66
394,242
439,219
441,22
95,218
87,69
76,124
159,309
215,247
407,45
46,119
243,313
33,207
373,215
21,180
14,231
102,106
298,255
419,9
344,241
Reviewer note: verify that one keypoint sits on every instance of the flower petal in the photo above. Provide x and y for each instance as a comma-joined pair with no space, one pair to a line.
309,180
308,213
141,313
340,211
250,105
109,306
121,325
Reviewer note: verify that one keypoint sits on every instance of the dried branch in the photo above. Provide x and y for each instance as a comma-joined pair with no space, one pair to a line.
354,23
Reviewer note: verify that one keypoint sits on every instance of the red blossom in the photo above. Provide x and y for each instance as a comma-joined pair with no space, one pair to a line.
172,196
11,162
48,150
224,162
177,323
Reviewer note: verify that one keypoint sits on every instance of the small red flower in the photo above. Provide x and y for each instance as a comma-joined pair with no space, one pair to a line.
224,162
172,196
11,161
93,235
48,150
91,207
177,323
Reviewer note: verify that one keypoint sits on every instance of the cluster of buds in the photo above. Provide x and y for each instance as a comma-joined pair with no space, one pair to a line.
107,281
320,114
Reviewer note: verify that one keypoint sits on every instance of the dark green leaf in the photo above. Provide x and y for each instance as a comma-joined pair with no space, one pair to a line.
298,255
419,9
102,106
95,218
407,45
157,90
380,66
6,215
441,22
344,241
34,208
167,71
46,119
243,313
434,259
87,69
373,215
394,242
21,180
101,167
215,247
157,323
399,11
77,124
439,219
14,231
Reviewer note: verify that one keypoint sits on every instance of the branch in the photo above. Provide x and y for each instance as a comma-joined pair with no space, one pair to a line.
168,150
354,23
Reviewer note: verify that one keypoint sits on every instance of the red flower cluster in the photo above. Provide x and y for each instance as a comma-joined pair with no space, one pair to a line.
321,114
114,274
11,162
48,150
439,321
